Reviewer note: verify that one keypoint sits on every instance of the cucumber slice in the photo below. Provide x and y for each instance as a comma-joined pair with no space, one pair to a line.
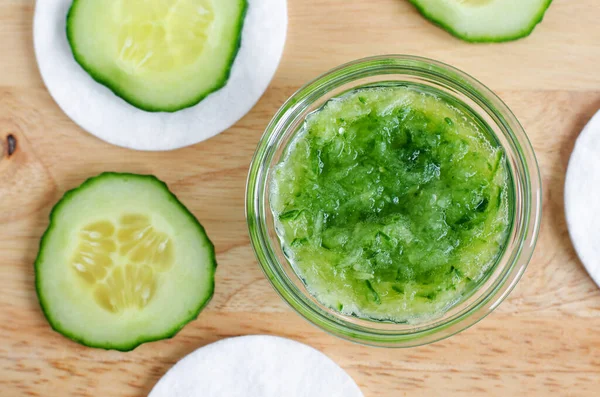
158,55
122,263
485,20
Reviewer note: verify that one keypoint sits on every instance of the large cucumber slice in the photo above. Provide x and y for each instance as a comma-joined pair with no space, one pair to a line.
158,55
485,20
122,263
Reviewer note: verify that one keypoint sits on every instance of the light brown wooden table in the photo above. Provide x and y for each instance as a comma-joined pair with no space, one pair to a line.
544,340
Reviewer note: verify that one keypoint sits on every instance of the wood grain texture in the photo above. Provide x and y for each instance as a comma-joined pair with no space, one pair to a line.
544,340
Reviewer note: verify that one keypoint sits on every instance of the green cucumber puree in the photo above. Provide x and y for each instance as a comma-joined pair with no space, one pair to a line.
391,203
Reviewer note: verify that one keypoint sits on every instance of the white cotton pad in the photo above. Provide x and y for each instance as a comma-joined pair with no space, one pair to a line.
582,197
100,112
256,366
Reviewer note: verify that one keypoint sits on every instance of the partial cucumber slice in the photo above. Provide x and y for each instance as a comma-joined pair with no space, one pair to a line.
485,20
158,55
122,263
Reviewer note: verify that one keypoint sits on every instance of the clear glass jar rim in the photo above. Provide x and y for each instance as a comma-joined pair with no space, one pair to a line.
409,65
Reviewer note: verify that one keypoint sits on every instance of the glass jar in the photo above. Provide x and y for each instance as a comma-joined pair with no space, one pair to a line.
474,96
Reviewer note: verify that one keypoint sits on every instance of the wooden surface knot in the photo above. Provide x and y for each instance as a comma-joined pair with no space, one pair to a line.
11,145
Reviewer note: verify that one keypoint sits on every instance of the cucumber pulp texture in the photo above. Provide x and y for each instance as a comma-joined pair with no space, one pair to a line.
391,204
158,55
123,262
485,20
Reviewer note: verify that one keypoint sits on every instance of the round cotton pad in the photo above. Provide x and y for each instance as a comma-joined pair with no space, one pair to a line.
256,366
582,191
97,110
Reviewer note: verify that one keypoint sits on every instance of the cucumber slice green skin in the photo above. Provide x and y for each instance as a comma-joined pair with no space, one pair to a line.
137,102
526,31
63,202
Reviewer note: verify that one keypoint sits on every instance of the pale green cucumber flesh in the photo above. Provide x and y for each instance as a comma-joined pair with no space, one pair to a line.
158,55
123,262
484,20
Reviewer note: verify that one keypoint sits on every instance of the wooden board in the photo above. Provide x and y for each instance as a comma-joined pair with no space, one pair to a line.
544,340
